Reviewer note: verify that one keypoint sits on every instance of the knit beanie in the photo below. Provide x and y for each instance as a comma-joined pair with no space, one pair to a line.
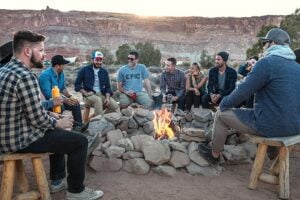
224,55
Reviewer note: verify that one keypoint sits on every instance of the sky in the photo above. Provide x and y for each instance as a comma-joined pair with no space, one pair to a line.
207,8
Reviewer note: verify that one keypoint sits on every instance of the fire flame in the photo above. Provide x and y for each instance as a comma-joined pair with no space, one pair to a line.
162,120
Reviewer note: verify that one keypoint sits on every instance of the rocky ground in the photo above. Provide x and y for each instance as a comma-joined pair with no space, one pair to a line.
231,184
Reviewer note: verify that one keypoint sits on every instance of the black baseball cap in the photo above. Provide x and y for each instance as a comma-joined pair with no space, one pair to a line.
59,60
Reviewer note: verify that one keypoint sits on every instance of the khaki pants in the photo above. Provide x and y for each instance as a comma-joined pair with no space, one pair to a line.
223,122
97,100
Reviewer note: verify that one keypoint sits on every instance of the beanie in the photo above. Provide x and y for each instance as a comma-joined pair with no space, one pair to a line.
224,55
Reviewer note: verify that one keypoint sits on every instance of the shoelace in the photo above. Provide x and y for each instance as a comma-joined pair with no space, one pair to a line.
89,190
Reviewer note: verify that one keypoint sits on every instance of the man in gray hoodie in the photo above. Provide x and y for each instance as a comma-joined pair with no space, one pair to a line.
275,83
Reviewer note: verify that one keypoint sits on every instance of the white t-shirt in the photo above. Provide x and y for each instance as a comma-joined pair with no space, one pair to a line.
96,86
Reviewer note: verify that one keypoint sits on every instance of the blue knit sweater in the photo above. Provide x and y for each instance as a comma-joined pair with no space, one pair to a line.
275,82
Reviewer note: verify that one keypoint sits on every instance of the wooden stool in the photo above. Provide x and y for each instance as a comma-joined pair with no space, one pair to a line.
13,165
279,171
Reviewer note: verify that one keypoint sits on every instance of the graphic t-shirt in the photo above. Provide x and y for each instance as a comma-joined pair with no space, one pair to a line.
132,78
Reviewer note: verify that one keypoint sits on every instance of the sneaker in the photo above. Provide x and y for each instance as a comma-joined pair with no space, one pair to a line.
206,153
86,194
58,185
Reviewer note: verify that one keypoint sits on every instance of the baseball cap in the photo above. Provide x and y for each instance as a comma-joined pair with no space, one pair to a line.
59,60
97,54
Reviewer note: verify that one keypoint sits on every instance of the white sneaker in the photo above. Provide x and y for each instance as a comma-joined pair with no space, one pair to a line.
86,194
59,187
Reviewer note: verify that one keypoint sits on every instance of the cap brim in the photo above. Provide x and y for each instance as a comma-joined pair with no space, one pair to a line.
263,39
66,62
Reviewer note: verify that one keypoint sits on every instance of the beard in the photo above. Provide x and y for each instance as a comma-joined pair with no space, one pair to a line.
35,63
97,65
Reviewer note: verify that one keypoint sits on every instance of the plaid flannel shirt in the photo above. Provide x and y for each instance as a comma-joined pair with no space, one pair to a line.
173,82
22,117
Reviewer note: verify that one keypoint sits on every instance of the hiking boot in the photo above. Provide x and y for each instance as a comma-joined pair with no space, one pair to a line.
86,194
206,153
58,185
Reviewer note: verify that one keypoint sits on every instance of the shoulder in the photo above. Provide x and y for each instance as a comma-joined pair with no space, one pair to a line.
179,71
231,70
103,70
123,68
46,72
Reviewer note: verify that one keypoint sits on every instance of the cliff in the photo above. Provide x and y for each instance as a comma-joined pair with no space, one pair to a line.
77,33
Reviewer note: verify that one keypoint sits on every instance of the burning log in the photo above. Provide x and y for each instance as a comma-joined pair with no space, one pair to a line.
163,126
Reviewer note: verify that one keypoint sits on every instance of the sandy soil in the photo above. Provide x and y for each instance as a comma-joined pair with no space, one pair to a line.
231,184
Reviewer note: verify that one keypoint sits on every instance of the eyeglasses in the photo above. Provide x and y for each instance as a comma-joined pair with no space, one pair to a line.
98,59
131,59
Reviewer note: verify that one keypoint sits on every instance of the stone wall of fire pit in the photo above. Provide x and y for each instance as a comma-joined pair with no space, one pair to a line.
127,143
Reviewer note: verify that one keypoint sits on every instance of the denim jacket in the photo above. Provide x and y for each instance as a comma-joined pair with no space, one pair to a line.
85,80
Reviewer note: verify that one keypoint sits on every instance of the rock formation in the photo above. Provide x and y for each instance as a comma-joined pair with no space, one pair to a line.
76,33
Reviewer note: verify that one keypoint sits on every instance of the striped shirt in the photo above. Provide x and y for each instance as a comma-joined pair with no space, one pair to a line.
22,117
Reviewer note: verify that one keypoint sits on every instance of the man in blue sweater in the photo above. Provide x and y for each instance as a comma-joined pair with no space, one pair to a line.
275,83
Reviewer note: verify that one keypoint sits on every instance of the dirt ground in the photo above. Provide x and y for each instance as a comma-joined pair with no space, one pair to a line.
231,184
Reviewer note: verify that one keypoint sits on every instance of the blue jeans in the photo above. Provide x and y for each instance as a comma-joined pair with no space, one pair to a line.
61,142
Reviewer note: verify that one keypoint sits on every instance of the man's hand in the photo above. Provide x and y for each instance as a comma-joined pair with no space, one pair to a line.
174,98
215,98
106,101
65,123
71,101
90,93
55,115
58,101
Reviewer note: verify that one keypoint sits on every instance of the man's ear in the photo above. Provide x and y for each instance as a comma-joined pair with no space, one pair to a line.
28,51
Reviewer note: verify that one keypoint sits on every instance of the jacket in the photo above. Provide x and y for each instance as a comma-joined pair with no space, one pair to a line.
85,80
230,79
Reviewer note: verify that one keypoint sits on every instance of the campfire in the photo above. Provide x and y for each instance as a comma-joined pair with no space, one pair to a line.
163,126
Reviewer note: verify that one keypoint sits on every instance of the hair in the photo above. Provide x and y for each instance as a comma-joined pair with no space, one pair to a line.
21,38
253,57
195,64
135,53
172,60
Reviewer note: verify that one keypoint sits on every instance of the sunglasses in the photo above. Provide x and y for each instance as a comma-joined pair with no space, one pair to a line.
98,59
131,59
265,42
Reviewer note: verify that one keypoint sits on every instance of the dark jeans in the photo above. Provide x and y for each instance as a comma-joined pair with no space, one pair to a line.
206,101
192,99
76,112
60,142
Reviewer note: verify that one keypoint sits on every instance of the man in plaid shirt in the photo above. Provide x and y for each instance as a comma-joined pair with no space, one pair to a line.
172,82
26,127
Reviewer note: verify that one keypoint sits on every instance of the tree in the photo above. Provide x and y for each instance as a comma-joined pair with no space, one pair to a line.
291,24
206,61
257,48
122,54
148,55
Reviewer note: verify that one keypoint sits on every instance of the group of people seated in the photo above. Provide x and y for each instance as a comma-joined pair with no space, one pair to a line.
27,126
187,90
